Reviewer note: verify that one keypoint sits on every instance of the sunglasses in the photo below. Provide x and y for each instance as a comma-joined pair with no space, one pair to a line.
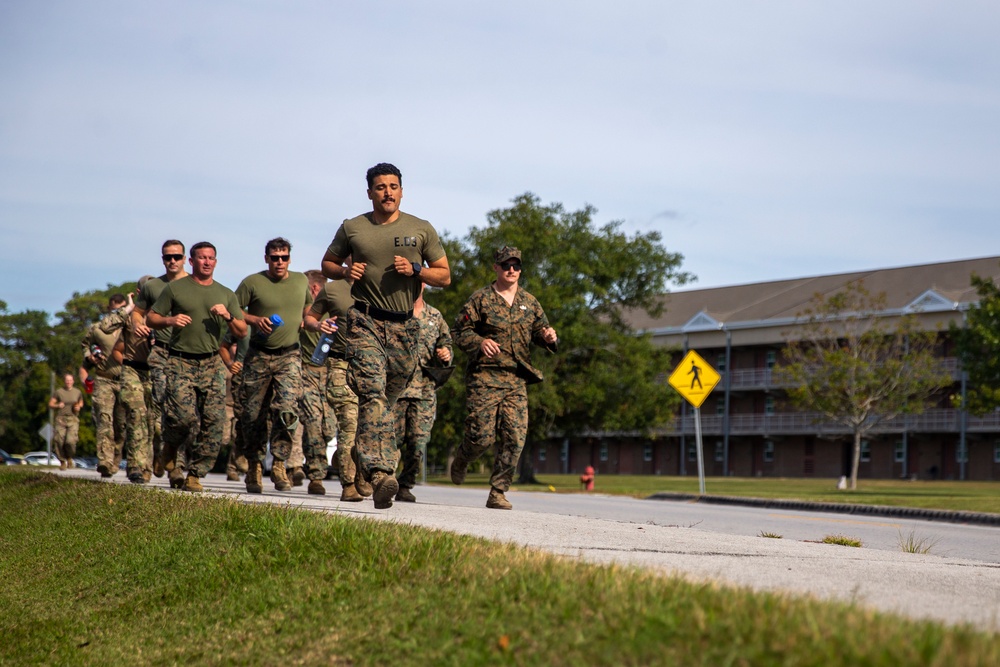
278,258
173,258
507,266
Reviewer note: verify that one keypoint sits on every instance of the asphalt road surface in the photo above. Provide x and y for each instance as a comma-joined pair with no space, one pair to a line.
957,582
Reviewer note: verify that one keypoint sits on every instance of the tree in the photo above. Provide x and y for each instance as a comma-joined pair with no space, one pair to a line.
856,367
978,347
605,375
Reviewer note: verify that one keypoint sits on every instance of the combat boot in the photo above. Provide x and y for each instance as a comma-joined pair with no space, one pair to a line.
316,488
193,484
146,476
70,464
280,477
176,478
404,495
232,475
254,481
158,468
360,483
136,478
298,476
350,495
458,468
62,465
385,487
498,501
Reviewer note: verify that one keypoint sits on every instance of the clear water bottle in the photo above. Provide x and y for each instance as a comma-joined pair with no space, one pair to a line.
322,350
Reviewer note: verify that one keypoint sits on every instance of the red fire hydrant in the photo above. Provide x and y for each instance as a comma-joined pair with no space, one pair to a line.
587,479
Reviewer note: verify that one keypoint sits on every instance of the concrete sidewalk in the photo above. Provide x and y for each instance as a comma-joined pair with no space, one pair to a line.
951,590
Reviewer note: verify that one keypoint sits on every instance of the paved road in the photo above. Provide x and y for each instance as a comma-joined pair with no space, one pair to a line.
711,542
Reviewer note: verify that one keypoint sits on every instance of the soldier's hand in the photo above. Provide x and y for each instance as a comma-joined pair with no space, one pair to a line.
444,354
141,330
549,335
489,347
236,367
357,270
181,321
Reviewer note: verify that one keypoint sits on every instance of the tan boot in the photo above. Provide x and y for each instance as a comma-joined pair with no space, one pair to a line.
158,468
147,475
232,475
350,495
385,487
62,465
193,484
498,501
316,488
176,477
298,476
254,479
280,477
360,483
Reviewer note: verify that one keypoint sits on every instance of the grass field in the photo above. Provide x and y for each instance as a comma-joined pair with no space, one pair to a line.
945,495
99,574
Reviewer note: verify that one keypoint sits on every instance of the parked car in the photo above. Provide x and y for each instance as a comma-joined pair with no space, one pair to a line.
85,462
9,459
41,459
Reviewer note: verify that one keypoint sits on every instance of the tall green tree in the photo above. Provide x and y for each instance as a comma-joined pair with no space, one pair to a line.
978,346
584,275
856,367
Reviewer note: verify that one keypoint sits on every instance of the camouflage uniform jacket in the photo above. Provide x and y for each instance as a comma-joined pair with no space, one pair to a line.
487,315
434,333
136,348
106,367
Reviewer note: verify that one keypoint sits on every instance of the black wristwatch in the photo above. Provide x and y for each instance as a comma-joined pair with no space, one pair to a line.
417,268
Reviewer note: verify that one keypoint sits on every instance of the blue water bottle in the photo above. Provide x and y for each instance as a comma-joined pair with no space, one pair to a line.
276,322
322,350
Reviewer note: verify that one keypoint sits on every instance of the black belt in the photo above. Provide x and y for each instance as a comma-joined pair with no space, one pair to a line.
337,355
379,314
193,356
274,350
137,365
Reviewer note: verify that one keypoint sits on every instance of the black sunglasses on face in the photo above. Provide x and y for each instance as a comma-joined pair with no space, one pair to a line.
173,258
279,258
507,266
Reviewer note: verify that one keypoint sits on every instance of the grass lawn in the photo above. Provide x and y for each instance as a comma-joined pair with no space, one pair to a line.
106,574
944,495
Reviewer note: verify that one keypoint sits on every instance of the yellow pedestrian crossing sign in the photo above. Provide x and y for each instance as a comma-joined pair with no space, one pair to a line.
694,379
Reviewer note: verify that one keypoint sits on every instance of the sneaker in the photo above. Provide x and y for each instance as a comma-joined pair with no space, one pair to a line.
404,495
316,488
360,483
254,479
385,487
193,484
458,469
350,495
498,501
298,476
280,477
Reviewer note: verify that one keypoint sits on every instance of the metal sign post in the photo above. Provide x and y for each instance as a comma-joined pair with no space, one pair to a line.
694,379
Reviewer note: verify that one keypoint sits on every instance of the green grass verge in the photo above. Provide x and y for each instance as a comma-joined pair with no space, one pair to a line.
99,574
944,495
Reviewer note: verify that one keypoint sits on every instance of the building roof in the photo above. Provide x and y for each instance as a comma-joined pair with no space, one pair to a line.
926,287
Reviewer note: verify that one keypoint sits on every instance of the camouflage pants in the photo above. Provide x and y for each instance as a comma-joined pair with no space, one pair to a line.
382,358
237,462
271,387
108,422
193,411
136,396
414,419
317,420
344,403
65,436
496,414
158,378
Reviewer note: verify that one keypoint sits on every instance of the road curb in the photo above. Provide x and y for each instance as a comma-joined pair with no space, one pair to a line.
978,518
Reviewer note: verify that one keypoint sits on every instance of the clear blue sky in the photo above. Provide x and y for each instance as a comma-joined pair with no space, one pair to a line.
765,140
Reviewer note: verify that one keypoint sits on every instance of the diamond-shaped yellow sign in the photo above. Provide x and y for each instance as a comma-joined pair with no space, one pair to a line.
694,379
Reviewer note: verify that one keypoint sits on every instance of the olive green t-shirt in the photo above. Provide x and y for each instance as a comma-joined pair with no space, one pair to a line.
334,300
69,398
148,295
261,295
377,245
205,332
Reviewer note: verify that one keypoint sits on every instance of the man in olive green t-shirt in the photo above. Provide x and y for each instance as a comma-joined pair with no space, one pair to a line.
67,401
272,372
389,249
200,311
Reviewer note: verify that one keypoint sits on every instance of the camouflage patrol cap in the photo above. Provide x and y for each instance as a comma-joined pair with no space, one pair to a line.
505,253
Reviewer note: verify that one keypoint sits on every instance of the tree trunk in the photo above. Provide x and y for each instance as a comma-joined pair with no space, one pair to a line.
855,460
526,469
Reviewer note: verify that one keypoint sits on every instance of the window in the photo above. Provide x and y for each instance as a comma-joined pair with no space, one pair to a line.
898,452
541,454
769,405
718,451
768,451
563,453
720,362
771,359
962,453
720,406
647,452
603,454
866,451
692,454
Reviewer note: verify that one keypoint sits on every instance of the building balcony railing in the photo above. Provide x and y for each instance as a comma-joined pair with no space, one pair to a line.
808,423
744,379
